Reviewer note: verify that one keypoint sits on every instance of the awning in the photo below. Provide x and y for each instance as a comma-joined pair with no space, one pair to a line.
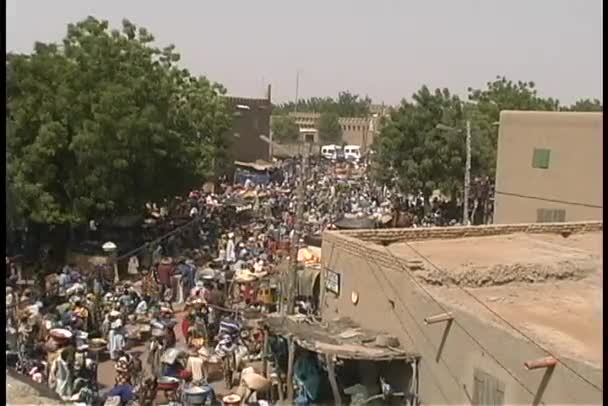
306,280
341,338
355,223
258,165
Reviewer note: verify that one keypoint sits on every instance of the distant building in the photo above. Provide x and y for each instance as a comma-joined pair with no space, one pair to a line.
251,121
549,167
355,130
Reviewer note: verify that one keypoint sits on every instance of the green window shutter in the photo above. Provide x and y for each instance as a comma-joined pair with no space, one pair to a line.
550,215
540,158
487,390
559,216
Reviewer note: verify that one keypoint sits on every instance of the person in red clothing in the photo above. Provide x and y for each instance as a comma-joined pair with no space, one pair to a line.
248,294
186,327
165,271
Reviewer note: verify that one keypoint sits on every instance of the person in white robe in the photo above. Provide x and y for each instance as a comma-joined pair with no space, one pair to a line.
142,308
133,267
230,249
116,338
60,376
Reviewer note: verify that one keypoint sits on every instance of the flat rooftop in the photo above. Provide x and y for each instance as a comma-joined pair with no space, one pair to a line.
547,285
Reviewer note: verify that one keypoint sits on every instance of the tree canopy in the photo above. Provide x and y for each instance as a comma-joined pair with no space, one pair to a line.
285,129
416,155
329,128
412,153
591,105
105,122
346,105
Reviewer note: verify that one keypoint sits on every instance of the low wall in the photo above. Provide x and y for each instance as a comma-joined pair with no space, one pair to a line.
430,233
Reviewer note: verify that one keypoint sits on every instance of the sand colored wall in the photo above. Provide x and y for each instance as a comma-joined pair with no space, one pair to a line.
391,235
575,167
390,301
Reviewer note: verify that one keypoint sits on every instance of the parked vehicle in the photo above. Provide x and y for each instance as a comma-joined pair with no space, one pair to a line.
352,153
331,152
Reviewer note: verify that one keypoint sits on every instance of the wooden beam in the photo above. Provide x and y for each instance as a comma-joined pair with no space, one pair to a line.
331,374
438,318
548,362
291,348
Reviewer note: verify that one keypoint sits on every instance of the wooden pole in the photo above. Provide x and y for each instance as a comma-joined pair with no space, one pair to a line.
265,371
291,354
331,374
293,264
280,388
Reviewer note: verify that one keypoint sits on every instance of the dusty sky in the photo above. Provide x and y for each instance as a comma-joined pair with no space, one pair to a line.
386,49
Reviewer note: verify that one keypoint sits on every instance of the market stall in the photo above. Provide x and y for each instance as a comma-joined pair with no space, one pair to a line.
320,359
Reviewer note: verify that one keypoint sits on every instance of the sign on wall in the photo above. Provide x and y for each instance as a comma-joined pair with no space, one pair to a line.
332,282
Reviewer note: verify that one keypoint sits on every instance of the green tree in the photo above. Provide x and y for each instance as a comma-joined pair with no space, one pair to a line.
351,105
413,154
285,129
329,128
590,105
107,122
346,105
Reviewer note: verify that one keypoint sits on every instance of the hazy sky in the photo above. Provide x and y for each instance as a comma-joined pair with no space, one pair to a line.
384,48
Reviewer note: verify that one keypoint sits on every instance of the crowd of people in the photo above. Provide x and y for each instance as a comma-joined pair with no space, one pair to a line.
185,296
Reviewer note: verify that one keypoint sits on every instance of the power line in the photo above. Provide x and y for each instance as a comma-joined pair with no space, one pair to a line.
159,239
593,206
404,328
444,309
487,308
397,294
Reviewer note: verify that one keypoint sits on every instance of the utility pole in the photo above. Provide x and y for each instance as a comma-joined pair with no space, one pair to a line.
269,96
467,176
295,240
295,109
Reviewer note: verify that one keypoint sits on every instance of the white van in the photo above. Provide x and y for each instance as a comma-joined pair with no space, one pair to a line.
331,151
352,153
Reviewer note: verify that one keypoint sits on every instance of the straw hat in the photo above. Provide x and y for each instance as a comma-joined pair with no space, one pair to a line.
231,399
166,261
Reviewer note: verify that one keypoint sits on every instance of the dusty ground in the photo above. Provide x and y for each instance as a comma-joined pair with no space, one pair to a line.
20,393
548,286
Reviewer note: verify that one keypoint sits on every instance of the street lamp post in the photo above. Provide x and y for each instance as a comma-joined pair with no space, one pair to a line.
467,168
467,177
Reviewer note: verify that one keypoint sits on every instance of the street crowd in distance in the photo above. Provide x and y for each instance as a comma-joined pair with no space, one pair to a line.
178,323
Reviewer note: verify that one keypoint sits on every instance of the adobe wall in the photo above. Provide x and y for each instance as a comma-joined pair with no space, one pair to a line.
389,301
391,235
574,140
